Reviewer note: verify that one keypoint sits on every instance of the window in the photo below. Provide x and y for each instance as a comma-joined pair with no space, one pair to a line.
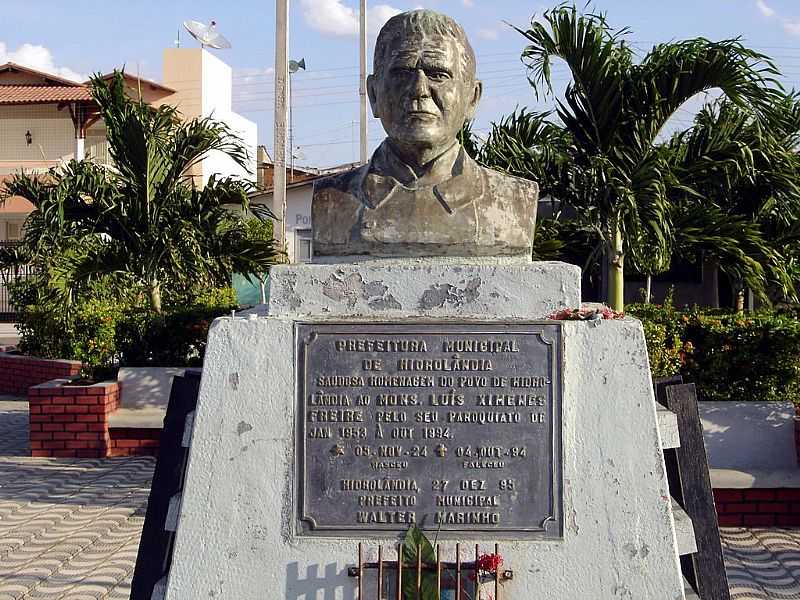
13,230
302,245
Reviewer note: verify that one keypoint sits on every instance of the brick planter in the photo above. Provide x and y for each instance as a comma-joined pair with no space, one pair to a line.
759,507
71,420
134,441
19,372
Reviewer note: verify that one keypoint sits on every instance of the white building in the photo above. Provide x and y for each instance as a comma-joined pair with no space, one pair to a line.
203,87
46,120
298,217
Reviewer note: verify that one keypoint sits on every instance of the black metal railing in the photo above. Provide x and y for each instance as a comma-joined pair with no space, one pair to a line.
8,276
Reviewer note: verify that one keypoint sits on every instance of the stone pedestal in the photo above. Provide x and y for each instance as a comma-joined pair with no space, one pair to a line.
238,532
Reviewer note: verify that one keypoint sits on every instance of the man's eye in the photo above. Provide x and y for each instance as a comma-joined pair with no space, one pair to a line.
438,75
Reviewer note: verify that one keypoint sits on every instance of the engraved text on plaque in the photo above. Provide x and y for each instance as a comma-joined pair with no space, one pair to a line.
454,427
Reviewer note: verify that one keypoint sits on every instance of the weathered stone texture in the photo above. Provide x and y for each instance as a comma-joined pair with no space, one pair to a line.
424,288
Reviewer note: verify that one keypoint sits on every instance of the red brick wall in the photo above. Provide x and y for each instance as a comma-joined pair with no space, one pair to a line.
758,507
19,372
134,441
71,421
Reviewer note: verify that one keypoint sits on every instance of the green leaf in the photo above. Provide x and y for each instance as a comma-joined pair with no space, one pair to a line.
415,546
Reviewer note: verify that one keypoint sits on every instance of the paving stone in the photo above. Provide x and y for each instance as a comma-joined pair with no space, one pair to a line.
14,428
69,528
762,563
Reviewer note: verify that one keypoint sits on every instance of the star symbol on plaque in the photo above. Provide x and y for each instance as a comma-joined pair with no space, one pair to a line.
441,450
337,450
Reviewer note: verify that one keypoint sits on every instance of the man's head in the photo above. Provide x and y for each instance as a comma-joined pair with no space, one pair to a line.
424,85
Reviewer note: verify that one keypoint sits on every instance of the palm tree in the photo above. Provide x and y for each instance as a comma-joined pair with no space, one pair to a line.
145,219
532,145
740,202
615,108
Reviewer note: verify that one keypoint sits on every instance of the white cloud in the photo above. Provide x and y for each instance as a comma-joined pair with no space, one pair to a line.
332,17
468,3
792,27
379,14
39,58
251,74
487,34
766,10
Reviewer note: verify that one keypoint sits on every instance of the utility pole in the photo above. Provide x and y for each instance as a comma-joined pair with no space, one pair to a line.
281,93
291,133
362,82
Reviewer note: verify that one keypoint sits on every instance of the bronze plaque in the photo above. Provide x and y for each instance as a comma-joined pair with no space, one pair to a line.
450,426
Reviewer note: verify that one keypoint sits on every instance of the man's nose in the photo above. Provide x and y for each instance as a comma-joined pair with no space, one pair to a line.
420,86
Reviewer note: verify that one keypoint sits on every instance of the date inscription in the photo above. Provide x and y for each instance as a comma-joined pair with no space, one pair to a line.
452,427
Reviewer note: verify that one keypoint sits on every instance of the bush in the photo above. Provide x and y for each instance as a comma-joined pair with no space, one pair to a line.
105,332
665,358
174,339
85,333
728,355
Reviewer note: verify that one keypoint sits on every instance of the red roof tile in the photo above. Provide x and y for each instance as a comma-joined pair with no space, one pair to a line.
42,94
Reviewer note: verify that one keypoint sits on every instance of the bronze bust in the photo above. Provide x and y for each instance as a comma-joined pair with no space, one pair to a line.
421,194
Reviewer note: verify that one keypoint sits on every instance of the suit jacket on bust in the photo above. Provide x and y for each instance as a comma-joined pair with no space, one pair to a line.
456,208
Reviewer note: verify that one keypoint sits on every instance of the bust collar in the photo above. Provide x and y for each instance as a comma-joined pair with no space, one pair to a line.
453,178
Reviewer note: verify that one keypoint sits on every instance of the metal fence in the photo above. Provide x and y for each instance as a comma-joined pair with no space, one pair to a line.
8,275
454,580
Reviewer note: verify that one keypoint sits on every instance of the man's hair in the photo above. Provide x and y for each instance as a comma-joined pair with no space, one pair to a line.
421,23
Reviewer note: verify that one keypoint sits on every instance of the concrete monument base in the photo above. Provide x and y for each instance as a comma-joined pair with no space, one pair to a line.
237,535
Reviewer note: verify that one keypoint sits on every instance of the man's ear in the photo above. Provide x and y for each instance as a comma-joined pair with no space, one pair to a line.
373,99
477,92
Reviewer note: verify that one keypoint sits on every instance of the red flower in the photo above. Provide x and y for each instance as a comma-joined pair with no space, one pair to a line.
490,563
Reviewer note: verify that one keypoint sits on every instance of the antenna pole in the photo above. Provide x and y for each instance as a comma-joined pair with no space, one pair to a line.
362,85
281,92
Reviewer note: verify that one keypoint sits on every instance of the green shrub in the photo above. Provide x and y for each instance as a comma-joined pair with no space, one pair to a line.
665,358
105,331
744,357
173,339
43,332
728,355
85,333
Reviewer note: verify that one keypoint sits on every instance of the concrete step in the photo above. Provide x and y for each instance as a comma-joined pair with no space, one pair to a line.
684,530
139,418
667,427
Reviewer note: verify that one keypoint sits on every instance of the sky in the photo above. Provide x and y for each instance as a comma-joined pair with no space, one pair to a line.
80,37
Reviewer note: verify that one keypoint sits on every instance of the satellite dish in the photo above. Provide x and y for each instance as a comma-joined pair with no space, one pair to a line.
295,66
207,35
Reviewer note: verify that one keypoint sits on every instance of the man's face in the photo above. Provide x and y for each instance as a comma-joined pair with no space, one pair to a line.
423,94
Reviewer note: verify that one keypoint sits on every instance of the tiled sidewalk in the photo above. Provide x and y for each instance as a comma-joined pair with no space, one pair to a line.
762,563
69,529
13,428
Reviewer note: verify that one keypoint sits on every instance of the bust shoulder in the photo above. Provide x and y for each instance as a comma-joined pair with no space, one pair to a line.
345,181
335,208
505,185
